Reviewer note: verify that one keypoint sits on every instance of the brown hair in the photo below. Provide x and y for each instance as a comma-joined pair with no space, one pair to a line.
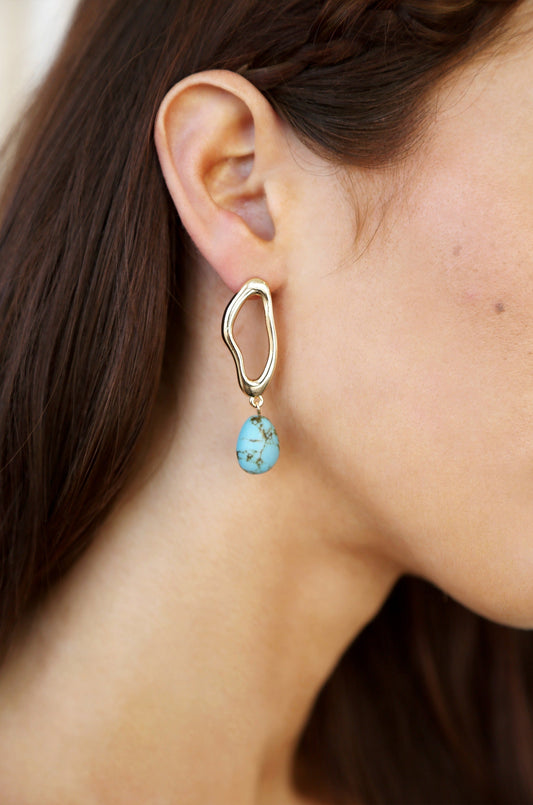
431,703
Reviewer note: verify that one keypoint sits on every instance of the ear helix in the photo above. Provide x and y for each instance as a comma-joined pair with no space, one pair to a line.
258,443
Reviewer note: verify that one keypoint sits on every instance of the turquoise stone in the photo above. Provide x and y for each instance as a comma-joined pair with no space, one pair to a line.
257,445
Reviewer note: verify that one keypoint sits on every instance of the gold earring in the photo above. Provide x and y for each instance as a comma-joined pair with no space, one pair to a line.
258,443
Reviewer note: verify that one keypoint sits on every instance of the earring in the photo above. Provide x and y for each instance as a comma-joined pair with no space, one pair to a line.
258,443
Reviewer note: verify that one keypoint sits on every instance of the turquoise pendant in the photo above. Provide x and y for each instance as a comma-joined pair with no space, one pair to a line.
257,445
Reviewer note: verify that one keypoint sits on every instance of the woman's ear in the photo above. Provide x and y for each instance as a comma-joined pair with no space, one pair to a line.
226,160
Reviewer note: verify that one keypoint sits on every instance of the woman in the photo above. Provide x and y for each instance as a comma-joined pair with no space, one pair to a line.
350,626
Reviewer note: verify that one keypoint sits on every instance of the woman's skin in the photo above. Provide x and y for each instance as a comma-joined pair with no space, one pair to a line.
178,661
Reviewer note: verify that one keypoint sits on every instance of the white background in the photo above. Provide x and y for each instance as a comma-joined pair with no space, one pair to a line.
30,32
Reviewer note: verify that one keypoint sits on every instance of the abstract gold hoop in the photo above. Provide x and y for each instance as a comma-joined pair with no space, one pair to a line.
254,287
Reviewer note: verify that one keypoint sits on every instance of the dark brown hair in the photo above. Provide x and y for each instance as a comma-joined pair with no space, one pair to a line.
431,704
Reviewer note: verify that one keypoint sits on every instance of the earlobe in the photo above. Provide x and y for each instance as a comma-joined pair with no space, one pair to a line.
221,173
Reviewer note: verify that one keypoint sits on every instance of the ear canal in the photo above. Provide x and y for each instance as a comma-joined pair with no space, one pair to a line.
231,185
256,215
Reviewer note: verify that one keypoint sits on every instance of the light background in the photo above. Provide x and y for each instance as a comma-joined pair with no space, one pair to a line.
30,33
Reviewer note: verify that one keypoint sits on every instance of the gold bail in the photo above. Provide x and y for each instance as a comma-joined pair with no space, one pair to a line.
254,287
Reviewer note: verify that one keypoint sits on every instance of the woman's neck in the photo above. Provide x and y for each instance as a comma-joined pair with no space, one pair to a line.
179,659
